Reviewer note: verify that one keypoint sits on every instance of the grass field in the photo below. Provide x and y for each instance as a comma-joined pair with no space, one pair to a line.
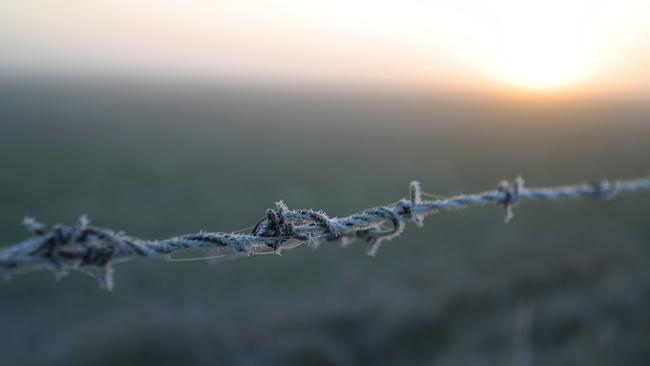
563,284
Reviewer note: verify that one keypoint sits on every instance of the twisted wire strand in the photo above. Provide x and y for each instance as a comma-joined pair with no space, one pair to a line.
82,247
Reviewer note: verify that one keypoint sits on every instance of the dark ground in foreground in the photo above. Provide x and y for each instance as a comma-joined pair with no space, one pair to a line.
563,284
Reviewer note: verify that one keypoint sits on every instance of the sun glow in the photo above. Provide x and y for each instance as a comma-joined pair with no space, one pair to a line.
549,44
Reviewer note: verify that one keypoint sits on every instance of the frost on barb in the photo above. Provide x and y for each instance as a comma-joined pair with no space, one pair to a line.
81,247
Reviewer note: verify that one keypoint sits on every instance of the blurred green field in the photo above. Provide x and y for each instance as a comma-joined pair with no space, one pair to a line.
563,284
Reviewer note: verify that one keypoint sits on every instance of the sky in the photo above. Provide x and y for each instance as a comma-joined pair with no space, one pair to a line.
529,46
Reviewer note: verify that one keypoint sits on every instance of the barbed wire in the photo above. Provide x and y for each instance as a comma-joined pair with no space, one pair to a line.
82,247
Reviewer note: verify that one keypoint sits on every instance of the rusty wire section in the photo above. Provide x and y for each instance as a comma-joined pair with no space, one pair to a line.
82,247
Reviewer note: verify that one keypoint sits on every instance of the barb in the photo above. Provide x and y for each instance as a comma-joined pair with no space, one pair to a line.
83,247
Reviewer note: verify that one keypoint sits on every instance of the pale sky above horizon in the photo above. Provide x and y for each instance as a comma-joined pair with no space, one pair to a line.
542,45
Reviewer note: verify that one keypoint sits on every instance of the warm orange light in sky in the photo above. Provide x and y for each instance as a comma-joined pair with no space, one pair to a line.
532,44
555,43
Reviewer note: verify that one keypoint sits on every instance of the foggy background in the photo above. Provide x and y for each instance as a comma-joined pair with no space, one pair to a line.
563,283
165,120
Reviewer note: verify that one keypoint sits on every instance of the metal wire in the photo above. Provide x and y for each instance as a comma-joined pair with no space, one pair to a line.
64,248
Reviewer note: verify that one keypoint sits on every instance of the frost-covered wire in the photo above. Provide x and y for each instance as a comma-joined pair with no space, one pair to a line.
80,246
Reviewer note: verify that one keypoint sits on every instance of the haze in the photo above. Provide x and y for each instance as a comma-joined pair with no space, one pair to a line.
505,45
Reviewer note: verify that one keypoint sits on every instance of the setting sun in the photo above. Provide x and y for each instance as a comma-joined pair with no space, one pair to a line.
549,44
